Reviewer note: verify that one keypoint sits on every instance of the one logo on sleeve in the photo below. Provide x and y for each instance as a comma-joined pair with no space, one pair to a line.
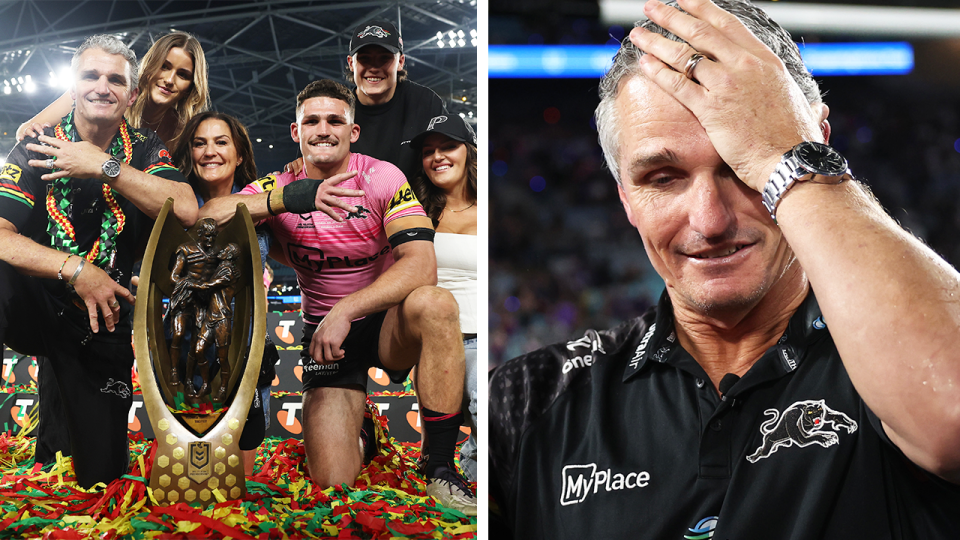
266,183
10,172
590,340
801,424
402,200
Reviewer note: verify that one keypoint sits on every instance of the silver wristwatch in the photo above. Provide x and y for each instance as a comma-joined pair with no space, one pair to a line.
111,167
805,162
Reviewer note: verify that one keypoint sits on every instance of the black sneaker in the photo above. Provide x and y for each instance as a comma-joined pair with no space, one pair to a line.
451,490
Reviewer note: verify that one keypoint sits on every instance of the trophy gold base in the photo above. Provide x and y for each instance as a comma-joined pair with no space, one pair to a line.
187,469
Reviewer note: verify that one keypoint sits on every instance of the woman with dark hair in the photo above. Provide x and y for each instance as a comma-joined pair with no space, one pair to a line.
172,88
447,189
216,156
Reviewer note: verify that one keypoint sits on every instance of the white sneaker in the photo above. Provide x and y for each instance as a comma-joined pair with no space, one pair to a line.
451,490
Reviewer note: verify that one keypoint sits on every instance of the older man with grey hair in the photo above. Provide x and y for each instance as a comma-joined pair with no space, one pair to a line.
742,405
75,205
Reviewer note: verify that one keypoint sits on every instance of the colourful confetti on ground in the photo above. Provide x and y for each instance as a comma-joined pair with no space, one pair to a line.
387,501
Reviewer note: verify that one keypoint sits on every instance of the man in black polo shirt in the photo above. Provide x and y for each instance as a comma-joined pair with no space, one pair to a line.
391,109
76,203
742,406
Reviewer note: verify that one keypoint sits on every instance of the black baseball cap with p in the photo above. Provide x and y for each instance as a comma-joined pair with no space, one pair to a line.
376,32
451,125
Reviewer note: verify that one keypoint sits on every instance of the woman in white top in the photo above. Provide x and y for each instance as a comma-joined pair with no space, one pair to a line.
447,189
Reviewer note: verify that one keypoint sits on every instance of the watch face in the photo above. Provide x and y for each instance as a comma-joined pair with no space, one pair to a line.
821,159
111,168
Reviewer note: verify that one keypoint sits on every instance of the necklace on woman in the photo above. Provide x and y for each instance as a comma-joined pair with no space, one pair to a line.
463,209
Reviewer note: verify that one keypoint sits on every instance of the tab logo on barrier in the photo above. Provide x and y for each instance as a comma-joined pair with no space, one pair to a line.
287,415
20,412
133,423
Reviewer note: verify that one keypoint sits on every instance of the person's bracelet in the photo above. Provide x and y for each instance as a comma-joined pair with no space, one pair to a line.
76,273
64,263
270,208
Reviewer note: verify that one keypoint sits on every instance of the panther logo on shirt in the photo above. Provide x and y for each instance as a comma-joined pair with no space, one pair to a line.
802,424
116,387
361,213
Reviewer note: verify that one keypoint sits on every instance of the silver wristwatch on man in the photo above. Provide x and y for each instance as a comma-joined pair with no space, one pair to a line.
806,162
111,167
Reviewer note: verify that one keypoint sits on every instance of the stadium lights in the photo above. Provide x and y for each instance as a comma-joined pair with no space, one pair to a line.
456,38
61,78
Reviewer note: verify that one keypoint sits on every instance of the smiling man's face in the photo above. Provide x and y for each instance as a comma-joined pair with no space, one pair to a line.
706,232
324,130
102,87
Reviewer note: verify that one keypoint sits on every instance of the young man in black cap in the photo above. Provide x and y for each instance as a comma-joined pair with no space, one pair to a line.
390,108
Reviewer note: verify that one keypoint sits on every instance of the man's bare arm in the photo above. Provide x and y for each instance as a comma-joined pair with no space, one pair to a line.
415,266
95,287
222,209
148,192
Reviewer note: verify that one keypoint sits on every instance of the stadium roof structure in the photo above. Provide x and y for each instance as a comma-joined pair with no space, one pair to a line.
260,52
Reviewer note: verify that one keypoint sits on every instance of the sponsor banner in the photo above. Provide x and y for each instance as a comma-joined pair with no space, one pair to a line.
401,411
18,369
285,329
580,481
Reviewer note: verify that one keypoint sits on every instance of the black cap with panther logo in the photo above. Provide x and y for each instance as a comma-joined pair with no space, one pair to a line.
376,32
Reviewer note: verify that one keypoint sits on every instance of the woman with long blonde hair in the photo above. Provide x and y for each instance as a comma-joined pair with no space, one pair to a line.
172,89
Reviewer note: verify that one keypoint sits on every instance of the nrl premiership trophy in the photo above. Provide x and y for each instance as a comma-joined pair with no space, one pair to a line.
216,315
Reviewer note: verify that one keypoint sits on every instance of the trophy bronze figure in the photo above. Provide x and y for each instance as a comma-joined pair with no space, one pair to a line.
216,313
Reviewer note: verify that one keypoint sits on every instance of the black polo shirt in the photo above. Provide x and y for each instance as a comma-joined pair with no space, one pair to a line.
620,434
22,202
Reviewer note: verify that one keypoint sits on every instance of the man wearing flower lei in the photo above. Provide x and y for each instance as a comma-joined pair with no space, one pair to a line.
76,205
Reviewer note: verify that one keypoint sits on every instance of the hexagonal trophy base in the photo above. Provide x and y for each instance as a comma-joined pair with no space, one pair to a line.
189,469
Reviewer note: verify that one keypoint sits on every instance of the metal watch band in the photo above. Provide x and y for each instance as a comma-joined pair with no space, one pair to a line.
111,164
785,175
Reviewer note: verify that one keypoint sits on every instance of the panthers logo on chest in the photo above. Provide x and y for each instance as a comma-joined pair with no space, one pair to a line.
802,424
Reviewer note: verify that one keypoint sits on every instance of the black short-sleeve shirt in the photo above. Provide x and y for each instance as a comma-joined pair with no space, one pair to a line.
620,434
386,129
23,194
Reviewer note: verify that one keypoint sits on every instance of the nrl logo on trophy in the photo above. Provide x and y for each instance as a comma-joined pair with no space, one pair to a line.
199,326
